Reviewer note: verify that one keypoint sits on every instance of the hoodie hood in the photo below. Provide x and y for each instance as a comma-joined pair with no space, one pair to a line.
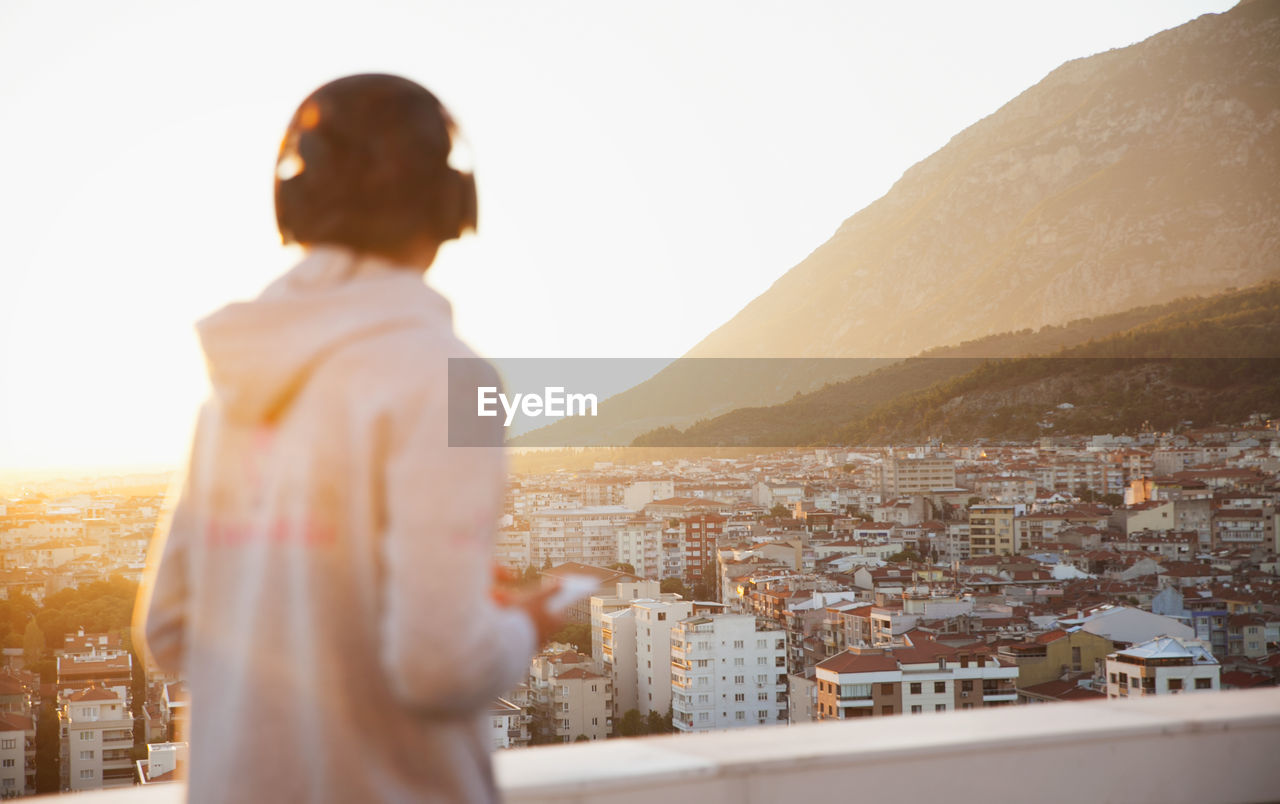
261,352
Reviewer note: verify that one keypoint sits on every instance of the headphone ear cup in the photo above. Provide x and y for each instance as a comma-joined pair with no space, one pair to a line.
467,207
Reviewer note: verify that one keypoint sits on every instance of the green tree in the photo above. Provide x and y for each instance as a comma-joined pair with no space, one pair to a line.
674,586
622,566
32,644
582,738
631,724
655,723
576,634
780,511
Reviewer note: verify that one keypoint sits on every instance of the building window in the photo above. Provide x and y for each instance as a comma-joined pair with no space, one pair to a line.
739,679
87,773
939,686
8,763
939,707
739,697
886,710
966,686
762,696
916,709
1113,678
1204,684
662,615
915,689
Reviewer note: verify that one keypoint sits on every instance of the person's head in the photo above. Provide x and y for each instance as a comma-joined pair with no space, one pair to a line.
365,164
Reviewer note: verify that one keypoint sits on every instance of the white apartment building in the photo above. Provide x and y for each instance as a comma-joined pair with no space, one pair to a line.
626,592
1162,666
508,725
640,545
618,658
642,492
654,621
726,673
97,741
585,535
17,755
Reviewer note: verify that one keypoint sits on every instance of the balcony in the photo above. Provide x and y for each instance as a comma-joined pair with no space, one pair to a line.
1233,732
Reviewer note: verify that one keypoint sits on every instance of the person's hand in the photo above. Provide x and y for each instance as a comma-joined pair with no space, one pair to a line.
532,601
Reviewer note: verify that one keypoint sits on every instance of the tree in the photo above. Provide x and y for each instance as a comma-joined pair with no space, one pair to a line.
576,634
32,644
780,511
631,724
656,723
674,586
581,738
623,566
702,590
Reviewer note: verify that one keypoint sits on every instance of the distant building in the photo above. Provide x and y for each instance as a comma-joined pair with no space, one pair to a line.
17,755
727,673
97,740
991,530
902,475
1162,666
918,677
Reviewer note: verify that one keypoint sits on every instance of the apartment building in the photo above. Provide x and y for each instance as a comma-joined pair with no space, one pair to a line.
904,475
640,545
569,698
508,725
584,535
17,755
992,531
624,593
1162,666
654,622
916,677
642,492
698,536
727,673
97,740
1048,656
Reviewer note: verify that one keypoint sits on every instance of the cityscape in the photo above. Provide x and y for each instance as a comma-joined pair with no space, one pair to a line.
764,367
761,590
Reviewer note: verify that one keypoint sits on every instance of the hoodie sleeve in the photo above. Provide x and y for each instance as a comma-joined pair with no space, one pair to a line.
446,646
160,613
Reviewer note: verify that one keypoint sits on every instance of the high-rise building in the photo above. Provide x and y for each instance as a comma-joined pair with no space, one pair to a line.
727,673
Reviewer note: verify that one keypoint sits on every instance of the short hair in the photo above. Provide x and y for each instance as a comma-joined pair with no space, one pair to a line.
365,164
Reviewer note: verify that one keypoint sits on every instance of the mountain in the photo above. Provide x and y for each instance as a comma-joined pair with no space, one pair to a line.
1126,178
1227,366
1121,180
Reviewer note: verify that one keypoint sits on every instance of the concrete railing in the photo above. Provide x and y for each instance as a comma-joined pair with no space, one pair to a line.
1197,747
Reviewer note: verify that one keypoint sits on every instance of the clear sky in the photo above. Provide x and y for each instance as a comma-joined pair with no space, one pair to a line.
645,169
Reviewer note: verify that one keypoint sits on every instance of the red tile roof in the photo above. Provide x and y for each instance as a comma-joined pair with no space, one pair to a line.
850,662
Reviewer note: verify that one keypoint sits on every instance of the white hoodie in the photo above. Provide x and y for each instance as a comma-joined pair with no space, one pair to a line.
324,582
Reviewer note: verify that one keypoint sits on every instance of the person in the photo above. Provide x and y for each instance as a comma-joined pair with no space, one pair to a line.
325,582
